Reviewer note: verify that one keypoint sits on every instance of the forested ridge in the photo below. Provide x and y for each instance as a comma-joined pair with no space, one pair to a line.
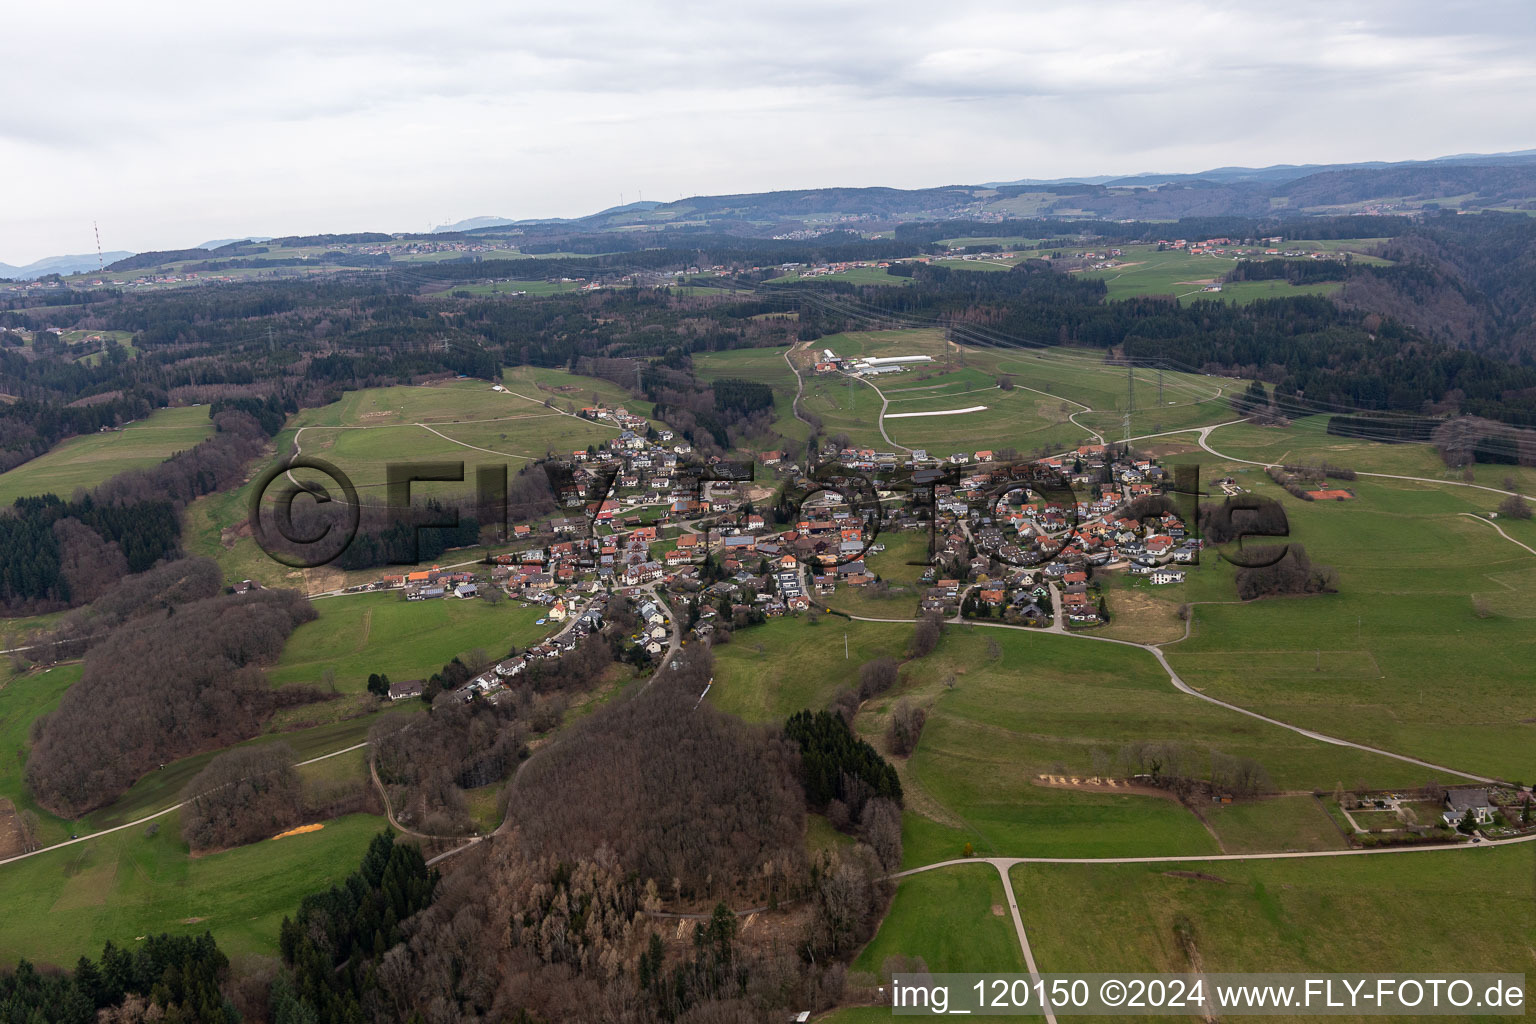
155,691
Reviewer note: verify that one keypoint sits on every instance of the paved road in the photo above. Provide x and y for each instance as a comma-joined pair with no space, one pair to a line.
1496,526
151,817
1003,863
799,386
1018,927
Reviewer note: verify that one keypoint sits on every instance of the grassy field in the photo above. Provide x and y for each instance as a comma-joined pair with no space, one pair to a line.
955,919
845,407
1279,823
765,365
986,265
473,424
921,341
1017,418
1466,911
89,460
1426,649
360,634
1307,441
162,788
1055,705
68,902
893,567
1074,378
1145,271
1022,418
530,288
23,699
768,672
464,421
1023,704
527,381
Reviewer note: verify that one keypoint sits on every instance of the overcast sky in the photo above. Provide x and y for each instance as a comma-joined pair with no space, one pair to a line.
175,123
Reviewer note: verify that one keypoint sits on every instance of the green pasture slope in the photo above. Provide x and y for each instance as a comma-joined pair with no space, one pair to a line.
457,421
765,365
949,918
1177,272
1032,704
359,634
87,461
23,699
1016,418
1082,377
1050,384
1426,649
1462,910
460,420
768,672
1306,441
141,881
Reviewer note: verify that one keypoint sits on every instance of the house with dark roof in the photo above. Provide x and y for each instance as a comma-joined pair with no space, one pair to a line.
1459,801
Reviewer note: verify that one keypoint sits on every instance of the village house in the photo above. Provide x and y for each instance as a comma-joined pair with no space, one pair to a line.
1458,802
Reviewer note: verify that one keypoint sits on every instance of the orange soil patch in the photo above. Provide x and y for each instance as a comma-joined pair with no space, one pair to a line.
299,831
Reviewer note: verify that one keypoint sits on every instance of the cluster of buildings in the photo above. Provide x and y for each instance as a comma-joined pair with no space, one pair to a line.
828,361
671,541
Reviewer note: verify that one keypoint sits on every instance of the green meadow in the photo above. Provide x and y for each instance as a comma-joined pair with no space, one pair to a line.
359,634
1462,910
541,383
23,698
768,672
457,421
1143,270
765,365
1172,400
141,881
462,421
956,919
1007,706
1425,650
845,406
853,275
1024,704
535,289
87,461
162,788
1307,441
1017,418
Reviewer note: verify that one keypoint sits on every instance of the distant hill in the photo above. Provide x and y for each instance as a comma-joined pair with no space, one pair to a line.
219,243
1465,182
472,223
1274,173
60,265
479,223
